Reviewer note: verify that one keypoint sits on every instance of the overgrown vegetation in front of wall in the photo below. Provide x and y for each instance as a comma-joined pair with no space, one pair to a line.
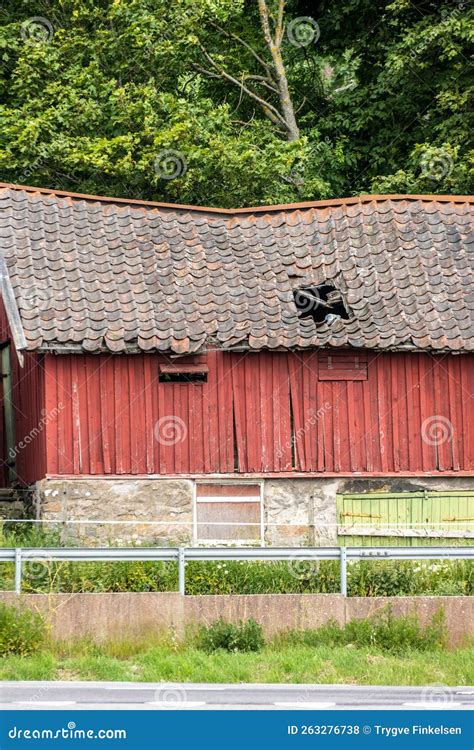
383,650
365,578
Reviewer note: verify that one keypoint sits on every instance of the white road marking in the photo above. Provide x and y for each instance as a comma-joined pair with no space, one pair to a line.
153,689
132,689
464,692
432,704
46,703
303,704
176,704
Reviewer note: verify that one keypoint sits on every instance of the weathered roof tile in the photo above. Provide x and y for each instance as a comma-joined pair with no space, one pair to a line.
107,274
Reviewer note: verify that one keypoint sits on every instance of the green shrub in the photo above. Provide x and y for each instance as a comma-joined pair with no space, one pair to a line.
22,631
246,635
383,632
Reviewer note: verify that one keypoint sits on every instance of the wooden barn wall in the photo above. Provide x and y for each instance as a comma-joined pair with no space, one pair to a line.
31,418
4,337
29,414
265,412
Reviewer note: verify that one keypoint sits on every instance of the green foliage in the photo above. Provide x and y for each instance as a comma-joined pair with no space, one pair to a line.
365,578
246,635
382,632
22,632
95,101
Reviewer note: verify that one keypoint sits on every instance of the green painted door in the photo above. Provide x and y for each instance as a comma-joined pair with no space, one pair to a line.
405,518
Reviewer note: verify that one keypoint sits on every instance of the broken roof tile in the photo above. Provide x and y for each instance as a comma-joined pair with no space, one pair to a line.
127,274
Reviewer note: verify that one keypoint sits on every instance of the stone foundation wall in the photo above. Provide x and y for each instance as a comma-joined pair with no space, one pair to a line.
103,511
296,512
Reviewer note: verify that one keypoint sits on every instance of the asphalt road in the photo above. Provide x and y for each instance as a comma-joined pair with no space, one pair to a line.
161,696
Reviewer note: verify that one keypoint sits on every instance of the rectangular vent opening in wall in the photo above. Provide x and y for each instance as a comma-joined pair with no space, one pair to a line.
182,373
342,365
228,513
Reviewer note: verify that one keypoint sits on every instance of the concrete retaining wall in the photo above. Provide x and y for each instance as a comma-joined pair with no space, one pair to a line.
104,616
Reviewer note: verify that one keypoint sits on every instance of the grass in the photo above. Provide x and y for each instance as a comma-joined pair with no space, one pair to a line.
382,650
365,578
290,663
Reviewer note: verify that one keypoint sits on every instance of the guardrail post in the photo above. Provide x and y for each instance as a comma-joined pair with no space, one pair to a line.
18,570
181,571
344,571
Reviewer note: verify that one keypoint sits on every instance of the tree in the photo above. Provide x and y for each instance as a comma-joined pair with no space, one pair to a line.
236,103
273,75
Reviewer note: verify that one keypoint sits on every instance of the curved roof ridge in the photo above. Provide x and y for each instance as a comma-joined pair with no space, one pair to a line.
326,203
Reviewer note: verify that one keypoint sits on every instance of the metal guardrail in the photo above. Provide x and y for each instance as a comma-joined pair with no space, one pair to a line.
182,555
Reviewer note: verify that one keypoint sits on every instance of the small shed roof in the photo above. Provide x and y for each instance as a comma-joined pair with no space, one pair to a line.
92,273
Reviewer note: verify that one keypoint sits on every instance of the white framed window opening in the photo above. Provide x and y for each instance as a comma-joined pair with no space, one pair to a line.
228,513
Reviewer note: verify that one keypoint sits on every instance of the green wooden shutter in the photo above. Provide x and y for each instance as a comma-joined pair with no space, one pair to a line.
375,518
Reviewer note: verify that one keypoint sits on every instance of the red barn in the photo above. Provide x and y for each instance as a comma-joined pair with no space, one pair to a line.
182,372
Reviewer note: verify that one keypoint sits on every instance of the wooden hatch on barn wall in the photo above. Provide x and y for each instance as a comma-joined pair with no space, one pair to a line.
343,365
228,512
405,518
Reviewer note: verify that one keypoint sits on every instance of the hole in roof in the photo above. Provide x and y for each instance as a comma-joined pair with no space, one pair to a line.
324,303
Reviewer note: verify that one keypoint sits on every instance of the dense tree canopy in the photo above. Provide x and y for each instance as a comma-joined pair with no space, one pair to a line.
236,102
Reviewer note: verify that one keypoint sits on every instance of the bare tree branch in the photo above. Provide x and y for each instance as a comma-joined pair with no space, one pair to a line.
270,111
275,79
274,46
248,46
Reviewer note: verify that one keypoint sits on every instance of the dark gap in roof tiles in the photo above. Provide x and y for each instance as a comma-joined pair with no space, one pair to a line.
323,303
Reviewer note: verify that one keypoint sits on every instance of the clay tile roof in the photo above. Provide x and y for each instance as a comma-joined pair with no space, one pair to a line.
97,273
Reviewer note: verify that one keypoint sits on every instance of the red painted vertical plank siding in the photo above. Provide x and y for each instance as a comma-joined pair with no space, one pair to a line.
111,407
30,418
29,411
